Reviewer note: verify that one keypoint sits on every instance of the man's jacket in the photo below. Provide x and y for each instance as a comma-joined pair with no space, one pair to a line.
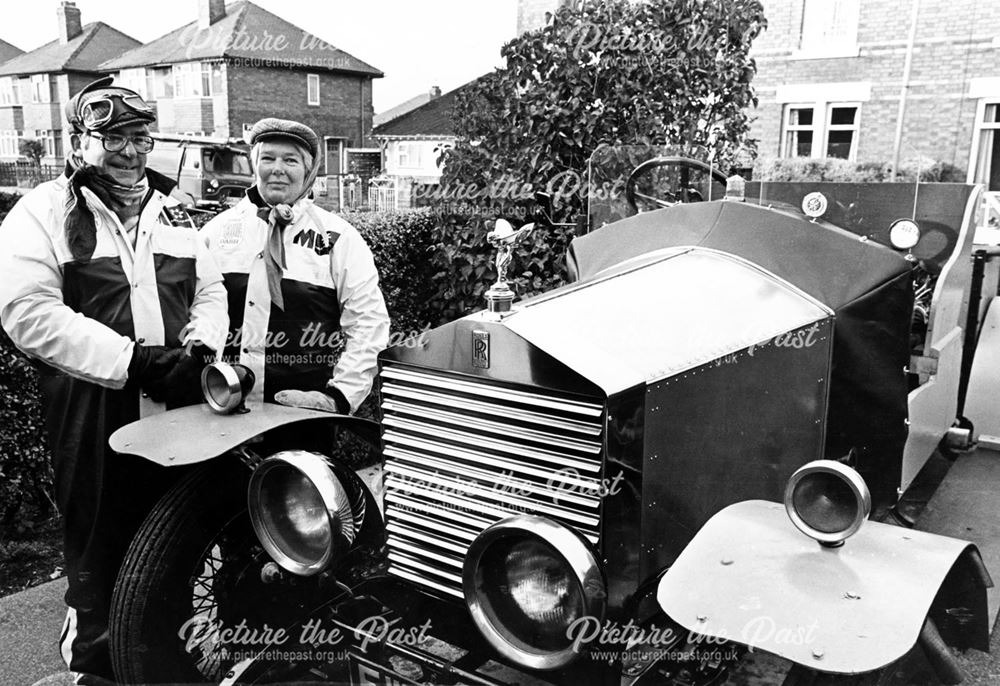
82,318
334,321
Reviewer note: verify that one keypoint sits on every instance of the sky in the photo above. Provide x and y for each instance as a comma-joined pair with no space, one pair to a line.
417,44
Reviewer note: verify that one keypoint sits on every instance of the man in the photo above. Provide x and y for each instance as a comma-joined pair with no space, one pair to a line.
302,282
108,287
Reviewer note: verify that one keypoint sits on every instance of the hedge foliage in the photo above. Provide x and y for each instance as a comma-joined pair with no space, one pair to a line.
25,469
832,169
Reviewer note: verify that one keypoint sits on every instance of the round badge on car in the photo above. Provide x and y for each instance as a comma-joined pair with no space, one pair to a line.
814,205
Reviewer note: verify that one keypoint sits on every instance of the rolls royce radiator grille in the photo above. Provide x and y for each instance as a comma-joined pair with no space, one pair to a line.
463,454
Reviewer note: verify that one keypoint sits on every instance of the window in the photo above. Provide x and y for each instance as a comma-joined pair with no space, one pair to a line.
312,87
9,143
798,132
197,79
820,130
987,153
134,79
52,140
23,87
159,83
829,28
407,155
40,88
9,93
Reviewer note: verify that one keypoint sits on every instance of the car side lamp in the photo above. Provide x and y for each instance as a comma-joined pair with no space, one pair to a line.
226,387
827,501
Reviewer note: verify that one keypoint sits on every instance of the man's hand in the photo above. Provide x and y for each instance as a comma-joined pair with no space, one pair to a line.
331,401
151,362
171,375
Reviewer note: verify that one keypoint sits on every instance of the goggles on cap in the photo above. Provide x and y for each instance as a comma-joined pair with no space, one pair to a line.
98,111
101,104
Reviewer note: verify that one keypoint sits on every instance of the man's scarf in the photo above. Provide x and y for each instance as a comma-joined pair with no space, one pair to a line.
81,229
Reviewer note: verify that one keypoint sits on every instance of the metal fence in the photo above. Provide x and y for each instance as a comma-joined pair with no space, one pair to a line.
26,173
382,194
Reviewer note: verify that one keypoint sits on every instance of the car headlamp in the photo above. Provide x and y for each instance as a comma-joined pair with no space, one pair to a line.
301,511
225,386
526,581
904,234
827,501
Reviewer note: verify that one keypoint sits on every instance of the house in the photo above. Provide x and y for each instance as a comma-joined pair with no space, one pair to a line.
413,142
8,51
881,80
404,107
34,86
239,63
873,80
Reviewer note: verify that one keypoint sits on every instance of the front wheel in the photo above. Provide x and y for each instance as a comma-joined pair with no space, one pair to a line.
196,591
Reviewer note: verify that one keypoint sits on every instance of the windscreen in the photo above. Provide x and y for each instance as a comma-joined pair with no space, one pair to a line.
226,161
631,179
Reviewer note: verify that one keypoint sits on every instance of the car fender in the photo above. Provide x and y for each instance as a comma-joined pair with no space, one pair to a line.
194,434
751,577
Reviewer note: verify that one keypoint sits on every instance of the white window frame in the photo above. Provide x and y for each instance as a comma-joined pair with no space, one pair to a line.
408,155
9,143
977,137
40,89
134,79
821,127
829,29
853,127
192,80
312,89
787,128
9,93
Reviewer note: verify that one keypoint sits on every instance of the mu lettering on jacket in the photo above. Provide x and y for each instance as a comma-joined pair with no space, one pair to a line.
334,322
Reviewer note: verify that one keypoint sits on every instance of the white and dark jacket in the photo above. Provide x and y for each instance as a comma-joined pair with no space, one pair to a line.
334,321
82,317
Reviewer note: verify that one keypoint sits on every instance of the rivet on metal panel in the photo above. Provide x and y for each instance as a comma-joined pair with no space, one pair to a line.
818,653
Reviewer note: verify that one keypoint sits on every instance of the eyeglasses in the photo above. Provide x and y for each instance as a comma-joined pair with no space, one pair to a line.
115,142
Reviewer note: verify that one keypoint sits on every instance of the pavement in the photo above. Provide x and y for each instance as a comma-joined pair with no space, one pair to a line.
30,622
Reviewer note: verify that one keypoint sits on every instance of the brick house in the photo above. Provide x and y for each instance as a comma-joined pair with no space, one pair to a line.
412,142
832,80
239,63
859,79
35,85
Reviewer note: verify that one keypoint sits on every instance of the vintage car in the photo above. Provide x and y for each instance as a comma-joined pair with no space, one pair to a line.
700,447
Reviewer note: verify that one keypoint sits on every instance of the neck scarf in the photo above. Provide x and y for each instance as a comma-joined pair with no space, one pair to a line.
278,217
81,230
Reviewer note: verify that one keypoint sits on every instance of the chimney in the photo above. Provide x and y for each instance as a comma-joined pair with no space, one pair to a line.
209,12
69,21
435,92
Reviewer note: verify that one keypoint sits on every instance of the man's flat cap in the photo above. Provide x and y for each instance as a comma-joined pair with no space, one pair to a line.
271,127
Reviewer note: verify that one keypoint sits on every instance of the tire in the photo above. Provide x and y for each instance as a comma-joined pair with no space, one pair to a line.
196,564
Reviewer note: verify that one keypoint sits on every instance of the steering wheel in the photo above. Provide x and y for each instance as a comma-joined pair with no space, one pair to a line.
686,193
